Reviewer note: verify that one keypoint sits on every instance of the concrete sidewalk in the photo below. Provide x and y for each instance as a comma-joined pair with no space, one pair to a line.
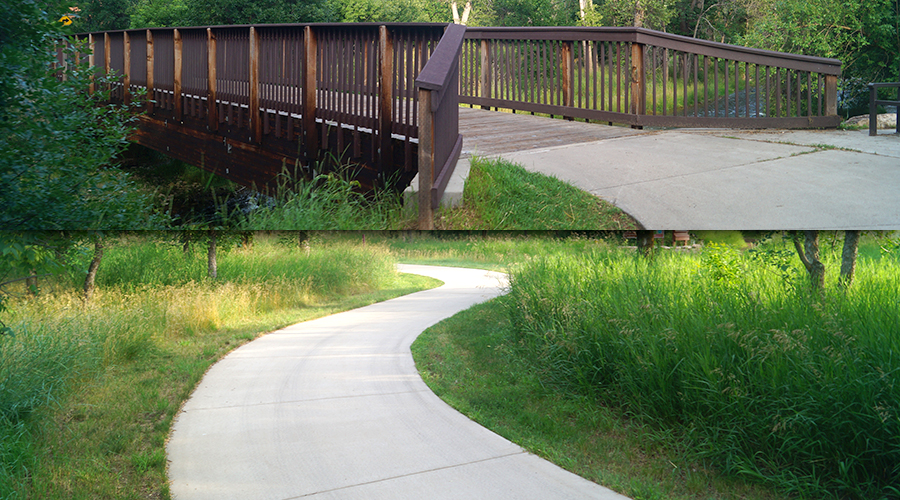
728,179
334,408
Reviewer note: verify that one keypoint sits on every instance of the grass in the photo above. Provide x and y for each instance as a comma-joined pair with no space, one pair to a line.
88,392
499,195
472,362
713,375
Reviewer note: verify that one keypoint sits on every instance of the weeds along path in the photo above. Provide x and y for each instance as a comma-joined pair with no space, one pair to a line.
334,408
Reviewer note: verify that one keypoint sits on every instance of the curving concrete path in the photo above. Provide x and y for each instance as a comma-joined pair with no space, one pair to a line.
334,408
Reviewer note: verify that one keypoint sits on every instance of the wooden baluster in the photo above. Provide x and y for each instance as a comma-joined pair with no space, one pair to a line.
106,43
568,82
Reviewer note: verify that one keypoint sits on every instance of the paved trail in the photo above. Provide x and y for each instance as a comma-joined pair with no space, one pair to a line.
334,408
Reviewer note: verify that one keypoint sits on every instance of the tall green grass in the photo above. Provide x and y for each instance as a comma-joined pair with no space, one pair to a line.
766,377
152,298
329,202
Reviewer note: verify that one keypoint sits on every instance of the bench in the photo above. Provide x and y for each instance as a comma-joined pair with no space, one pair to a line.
874,102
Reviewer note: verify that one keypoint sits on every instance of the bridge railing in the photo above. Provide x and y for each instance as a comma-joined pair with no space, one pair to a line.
439,141
300,90
641,77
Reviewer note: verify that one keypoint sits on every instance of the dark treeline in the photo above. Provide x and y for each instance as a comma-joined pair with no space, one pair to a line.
864,35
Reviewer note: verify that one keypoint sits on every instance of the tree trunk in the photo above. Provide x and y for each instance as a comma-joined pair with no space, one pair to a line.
638,14
810,258
211,267
92,269
645,242
31,283
848,258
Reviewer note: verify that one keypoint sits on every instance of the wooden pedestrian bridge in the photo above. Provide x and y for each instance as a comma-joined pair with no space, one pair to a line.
251,102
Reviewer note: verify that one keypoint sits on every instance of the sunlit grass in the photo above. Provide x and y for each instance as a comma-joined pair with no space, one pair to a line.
88,391
500,195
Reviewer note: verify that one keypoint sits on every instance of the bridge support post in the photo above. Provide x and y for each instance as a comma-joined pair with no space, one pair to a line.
638,89
386,101
126,66
426,160
149,72
91,62
830,95
308,120
179,102
106,43
212,108
255,114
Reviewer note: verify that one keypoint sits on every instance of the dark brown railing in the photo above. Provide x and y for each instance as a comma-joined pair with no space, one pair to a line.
874,102
641,77
439,139
287,92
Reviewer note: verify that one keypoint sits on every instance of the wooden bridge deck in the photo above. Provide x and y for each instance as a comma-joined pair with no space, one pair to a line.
488,133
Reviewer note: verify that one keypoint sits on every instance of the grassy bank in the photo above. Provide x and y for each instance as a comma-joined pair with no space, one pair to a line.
499,195
719,364
88,392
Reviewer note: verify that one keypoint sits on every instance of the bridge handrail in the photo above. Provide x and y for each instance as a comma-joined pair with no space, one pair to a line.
637,74
289,89
874,102
439,140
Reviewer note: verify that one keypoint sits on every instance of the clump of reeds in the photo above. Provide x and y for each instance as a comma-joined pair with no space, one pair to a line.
771,379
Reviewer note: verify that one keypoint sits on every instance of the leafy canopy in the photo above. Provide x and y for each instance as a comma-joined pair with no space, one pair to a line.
57,142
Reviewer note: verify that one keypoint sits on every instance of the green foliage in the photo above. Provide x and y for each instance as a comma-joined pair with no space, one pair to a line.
57,142
770,381
158,13
654,14
328,202
214,12
103,15
534,12
722,264
864,35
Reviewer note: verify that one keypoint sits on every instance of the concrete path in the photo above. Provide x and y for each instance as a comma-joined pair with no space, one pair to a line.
334,408
709,179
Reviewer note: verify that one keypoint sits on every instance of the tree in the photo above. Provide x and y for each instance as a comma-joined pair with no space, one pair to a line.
103,15
93,267
864,35
848,258
808,251
158,13
58,144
